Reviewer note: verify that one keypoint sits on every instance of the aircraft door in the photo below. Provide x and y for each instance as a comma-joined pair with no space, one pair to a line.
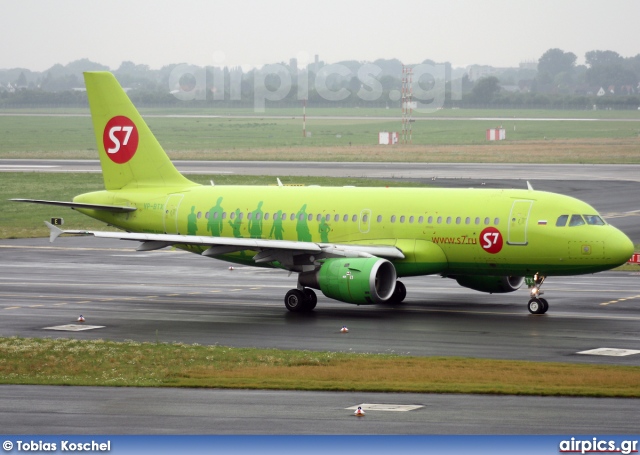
518,219
364,224
171,213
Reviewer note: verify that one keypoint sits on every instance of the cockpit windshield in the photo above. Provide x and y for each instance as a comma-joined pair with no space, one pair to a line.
579,220
594,220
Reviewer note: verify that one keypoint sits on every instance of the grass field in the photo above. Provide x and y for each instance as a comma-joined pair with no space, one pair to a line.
107,363
268,138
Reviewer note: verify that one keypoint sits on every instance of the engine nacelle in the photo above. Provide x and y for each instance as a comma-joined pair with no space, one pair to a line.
491,284
362,281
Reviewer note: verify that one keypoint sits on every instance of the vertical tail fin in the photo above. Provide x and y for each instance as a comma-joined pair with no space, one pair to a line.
130,155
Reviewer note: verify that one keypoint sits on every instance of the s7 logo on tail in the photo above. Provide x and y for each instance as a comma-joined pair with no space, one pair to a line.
120,139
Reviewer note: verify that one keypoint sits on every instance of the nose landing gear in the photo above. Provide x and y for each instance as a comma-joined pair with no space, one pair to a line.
537,304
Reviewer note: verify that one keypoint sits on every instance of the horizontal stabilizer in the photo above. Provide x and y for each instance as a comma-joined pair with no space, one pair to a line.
80,205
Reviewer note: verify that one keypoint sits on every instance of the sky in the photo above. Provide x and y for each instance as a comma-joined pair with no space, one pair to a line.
38,34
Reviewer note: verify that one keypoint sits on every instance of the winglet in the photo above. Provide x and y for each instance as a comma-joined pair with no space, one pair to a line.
54,231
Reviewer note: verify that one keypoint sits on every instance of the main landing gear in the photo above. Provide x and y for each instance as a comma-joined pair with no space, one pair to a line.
300,300
537,304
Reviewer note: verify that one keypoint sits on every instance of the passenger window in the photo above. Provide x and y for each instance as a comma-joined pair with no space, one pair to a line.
487,221
410,219
318,217
562,220
354,218
467,220
496,221
309,217
576,220
448,220
266,216
327,217
594,220
477,220
458,220
365,218
379,218
402,219
421,220
345,218
430,220
336,217
439,220
393,218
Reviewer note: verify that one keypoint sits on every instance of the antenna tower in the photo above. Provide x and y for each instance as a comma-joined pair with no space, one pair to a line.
407,104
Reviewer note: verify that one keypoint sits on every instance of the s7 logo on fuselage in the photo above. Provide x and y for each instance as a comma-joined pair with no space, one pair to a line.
491,240
120,139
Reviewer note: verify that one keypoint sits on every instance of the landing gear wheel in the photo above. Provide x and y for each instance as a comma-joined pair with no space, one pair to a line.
298,301
312,298
295,300
545,305
399,294
537,306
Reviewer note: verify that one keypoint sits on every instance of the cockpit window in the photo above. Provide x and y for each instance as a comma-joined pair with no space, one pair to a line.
576,220
562,220
594,220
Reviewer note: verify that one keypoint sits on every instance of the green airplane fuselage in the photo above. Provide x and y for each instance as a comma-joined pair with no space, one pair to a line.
446,231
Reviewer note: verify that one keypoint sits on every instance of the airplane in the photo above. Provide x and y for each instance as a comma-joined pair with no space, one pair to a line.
351,243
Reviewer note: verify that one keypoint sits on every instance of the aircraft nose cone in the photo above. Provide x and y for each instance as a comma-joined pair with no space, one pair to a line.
619,247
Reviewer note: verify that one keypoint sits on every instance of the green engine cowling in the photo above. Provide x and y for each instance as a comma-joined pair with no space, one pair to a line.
491,284
362,281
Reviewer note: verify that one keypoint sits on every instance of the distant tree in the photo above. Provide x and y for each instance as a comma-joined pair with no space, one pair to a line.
486,89
556,61
22,80
602,58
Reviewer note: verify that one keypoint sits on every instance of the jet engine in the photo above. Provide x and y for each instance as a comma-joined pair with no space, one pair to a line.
361,281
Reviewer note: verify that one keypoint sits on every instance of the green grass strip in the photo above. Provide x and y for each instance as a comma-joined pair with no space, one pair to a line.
108,363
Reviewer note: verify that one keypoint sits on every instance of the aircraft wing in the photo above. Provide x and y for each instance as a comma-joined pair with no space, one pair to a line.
80,205
268,250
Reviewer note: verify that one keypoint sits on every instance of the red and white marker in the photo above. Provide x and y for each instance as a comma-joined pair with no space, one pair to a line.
81,318
344,329
359,412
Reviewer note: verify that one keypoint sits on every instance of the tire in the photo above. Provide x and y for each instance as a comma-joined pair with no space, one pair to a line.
399,294
535,306
295,300
545,305
312,299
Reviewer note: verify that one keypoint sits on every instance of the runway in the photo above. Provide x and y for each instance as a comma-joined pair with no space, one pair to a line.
180,297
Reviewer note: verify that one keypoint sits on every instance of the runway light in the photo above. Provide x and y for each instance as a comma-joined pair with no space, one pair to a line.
359,412
81,318
344,329
230,268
